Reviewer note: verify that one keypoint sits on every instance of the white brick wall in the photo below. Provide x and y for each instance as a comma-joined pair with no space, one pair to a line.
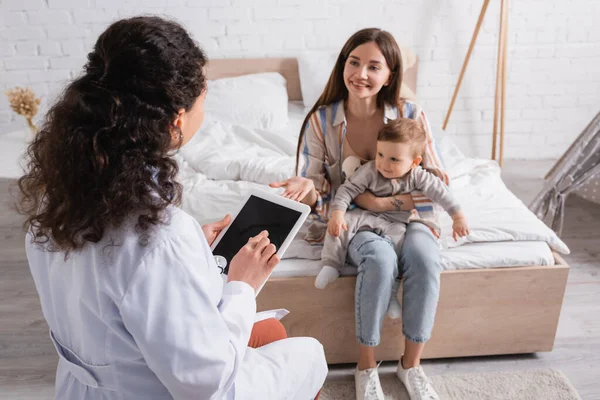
553,87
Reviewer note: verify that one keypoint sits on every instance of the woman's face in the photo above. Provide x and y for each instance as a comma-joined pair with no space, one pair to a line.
190,121
366,71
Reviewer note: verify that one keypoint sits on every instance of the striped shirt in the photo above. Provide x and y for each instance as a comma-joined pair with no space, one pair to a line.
321,159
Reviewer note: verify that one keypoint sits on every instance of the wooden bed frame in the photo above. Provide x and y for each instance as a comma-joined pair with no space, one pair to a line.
480,312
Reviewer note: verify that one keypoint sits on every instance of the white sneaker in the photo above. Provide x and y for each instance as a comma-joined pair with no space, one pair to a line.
367,385
417,384
326,276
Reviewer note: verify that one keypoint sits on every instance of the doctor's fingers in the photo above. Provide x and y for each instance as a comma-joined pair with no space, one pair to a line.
273,261
260,245
268,251
255,239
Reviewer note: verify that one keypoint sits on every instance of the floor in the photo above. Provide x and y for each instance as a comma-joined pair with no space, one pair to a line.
28,360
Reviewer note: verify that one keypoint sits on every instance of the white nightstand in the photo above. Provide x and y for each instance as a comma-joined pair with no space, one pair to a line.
12,148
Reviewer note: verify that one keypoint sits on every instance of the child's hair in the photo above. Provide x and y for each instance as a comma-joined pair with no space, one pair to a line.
103,153
405,130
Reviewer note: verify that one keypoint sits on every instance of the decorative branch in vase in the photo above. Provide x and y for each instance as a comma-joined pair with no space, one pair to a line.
24,102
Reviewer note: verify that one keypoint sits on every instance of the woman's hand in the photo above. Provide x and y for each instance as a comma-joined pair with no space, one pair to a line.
336,223
211,231
399,202
296,188
254,262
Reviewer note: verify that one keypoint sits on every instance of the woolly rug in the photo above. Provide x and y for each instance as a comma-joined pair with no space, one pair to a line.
536,384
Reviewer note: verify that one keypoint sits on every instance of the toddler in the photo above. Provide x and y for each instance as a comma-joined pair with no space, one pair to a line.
395,170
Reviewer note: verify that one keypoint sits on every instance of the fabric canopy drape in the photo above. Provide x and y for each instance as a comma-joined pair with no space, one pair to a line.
577,167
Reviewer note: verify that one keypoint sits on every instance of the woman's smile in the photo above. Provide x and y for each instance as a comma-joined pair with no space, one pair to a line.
360,85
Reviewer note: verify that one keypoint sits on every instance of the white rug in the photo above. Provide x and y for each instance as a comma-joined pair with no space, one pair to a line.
536,384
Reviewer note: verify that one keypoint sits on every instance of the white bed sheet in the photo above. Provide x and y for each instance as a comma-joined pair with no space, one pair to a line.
222,162
469,256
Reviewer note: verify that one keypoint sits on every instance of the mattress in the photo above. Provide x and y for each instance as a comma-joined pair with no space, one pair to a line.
469,256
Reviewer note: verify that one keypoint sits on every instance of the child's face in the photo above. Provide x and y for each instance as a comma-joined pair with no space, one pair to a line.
395,160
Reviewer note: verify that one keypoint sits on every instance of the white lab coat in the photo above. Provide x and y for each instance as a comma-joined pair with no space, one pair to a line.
157,321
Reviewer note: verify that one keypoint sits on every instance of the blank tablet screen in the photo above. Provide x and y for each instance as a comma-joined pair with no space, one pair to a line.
256,216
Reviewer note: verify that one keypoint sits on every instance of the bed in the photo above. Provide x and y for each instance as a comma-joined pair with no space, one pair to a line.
501,290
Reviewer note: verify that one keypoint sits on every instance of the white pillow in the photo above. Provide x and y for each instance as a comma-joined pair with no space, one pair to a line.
314,68
255,101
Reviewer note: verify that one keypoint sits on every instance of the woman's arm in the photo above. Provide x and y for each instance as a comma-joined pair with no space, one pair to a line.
400,202
192,336
431,158
314,151
311,198
316,193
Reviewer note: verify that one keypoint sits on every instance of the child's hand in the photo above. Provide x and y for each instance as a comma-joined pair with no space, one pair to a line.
459,228
336,223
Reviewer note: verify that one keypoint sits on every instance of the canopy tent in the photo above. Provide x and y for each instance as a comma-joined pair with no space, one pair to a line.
578,170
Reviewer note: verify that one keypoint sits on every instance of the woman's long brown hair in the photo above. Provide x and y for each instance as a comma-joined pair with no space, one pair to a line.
336,90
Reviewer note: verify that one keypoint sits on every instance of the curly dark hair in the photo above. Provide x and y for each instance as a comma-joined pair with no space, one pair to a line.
104,151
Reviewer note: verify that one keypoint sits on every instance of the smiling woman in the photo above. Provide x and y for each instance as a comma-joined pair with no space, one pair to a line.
339,133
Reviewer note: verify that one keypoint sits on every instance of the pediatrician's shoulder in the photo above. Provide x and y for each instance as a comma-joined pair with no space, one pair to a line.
179,223
178,241
178,251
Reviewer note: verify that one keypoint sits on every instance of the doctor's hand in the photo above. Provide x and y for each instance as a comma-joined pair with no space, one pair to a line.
211,231
254,262
296,188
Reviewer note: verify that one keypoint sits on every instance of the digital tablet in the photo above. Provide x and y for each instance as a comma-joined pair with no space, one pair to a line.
259,211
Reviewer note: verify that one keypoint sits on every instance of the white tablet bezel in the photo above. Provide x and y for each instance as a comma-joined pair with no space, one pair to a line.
302,208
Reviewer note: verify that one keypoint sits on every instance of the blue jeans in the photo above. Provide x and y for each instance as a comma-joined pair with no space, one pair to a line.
377,264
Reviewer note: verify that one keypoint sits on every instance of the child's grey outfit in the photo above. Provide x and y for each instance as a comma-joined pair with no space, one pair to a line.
390,223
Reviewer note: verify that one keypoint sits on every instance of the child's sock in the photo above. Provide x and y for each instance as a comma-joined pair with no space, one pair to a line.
326,276
394,310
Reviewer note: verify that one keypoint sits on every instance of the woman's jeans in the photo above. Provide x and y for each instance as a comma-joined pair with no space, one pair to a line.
378,272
